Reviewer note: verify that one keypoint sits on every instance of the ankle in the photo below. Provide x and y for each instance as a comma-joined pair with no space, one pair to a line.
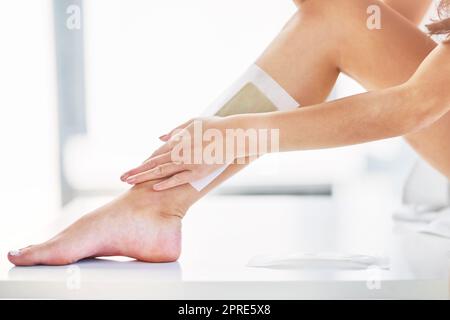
171,202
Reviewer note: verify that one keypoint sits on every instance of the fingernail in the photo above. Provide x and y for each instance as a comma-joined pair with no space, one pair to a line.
131,180
15,253
157,187
164,136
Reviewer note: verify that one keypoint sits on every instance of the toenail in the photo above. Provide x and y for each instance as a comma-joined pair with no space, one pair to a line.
15,253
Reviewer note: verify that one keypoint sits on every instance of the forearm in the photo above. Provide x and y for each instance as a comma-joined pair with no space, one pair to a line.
358,119
367,117
413,10
347,121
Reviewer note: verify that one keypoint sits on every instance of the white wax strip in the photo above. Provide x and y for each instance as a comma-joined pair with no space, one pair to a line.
202,183
318,261
269,87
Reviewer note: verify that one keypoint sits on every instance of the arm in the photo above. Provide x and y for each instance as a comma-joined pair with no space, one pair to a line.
413,10
376,115
366,117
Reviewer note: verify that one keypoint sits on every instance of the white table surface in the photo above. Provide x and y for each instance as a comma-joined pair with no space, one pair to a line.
222,233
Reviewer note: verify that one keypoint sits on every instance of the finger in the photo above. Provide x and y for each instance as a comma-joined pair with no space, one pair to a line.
148,165
165,148
166,137
143,167
159,172
174,181
162,159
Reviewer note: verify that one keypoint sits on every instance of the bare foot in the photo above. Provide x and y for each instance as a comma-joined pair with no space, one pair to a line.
140,224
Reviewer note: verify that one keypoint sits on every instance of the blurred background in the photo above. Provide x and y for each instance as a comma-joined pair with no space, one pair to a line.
86,87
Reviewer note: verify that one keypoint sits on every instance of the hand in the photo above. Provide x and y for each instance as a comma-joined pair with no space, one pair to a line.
191,151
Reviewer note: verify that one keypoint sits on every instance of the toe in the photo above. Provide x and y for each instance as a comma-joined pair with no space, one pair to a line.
23,257
47,253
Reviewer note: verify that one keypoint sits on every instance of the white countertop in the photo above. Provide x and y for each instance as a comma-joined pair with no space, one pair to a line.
222,233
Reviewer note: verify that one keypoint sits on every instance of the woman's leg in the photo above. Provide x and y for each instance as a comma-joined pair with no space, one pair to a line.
323,38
